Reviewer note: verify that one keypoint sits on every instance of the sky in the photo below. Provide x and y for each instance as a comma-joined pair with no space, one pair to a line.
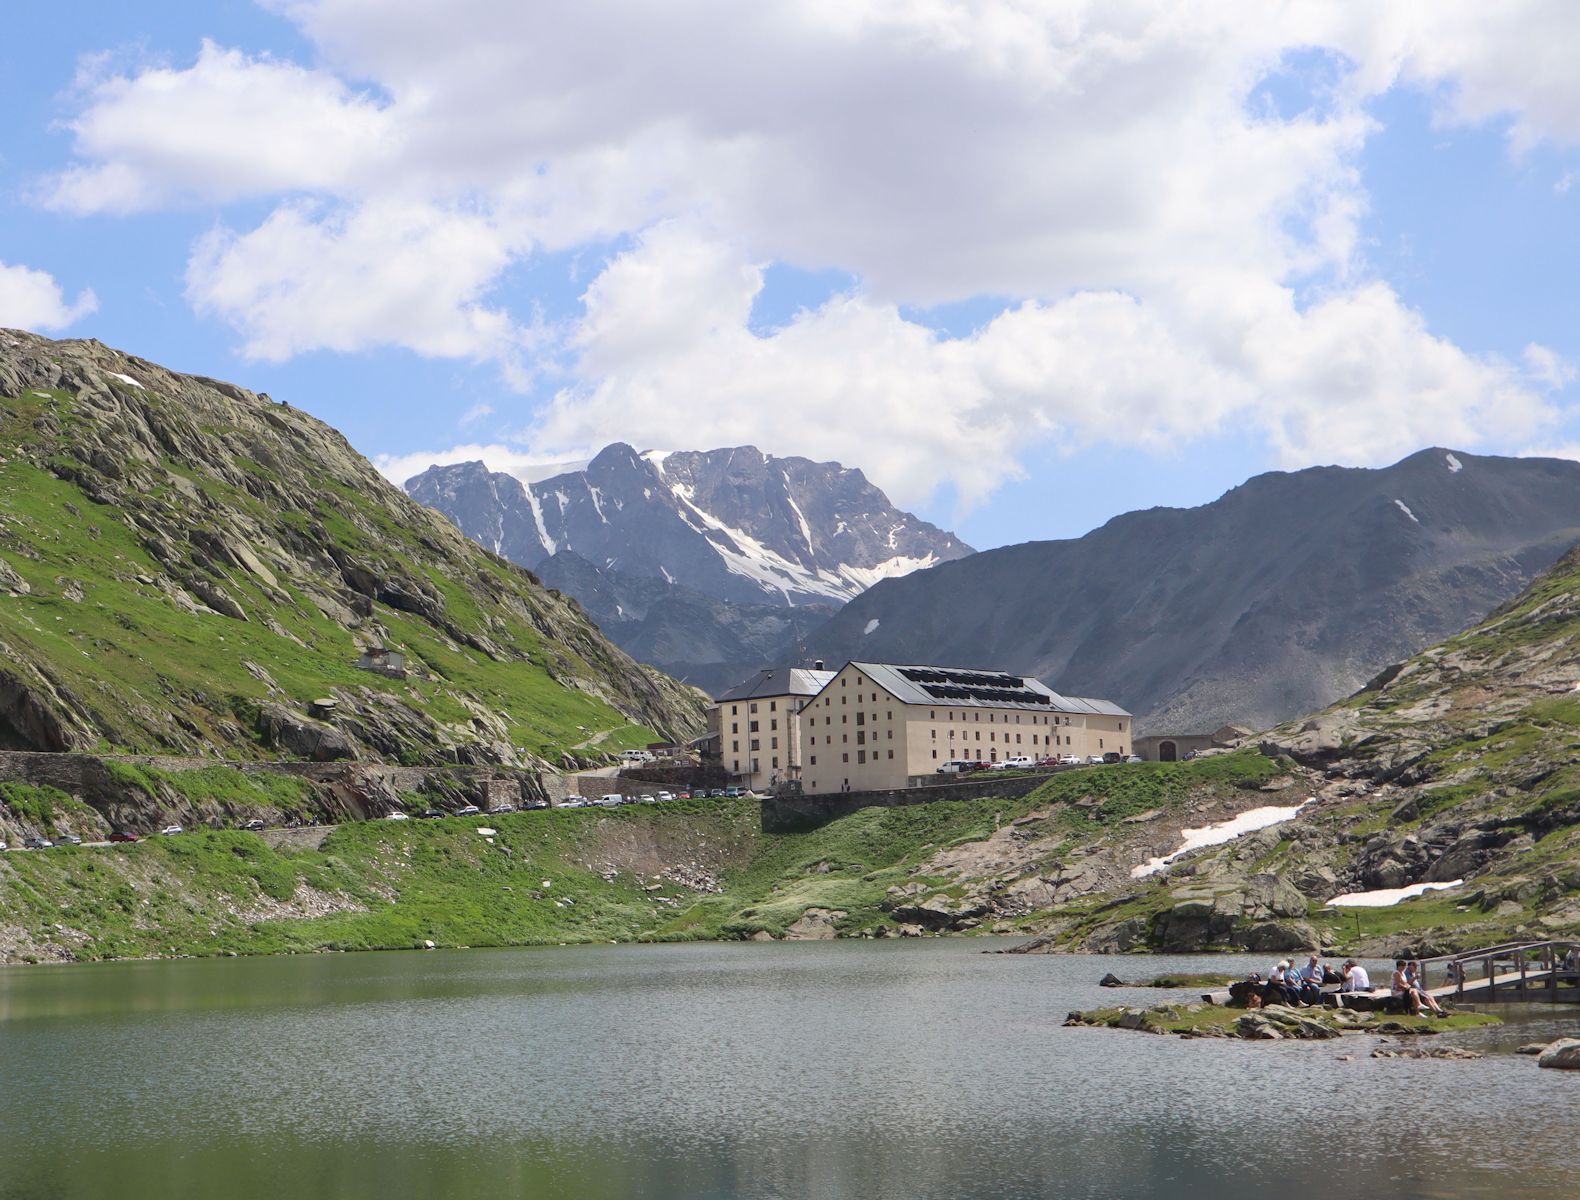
1028,265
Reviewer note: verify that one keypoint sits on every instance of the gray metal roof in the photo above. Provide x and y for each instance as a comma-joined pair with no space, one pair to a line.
964,687
779,681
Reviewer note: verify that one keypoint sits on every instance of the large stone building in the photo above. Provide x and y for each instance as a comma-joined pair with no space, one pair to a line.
876,726
759,735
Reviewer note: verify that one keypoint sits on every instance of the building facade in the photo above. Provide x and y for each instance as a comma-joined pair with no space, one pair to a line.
878,726
759,728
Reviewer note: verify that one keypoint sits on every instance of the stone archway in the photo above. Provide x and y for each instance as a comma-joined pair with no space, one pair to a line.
1168,752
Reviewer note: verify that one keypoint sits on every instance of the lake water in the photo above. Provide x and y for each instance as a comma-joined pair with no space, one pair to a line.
873,1070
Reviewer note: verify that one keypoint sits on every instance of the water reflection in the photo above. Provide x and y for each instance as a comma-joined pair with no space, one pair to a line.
848,1069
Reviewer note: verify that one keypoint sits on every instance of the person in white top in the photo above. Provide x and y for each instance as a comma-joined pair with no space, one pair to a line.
1355,978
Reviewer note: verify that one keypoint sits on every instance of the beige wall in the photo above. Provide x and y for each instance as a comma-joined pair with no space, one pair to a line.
777,755
856,736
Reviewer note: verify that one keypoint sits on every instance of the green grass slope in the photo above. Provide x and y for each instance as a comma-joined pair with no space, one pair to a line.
177,555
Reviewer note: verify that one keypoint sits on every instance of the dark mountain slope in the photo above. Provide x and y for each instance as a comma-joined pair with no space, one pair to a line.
1271,601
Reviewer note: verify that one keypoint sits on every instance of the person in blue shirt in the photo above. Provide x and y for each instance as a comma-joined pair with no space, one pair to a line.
1309,981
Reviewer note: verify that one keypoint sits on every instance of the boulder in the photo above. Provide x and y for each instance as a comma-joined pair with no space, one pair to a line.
12,584
815,924
1448,1052
1533,1048
1562,1055
1111,981
1269,895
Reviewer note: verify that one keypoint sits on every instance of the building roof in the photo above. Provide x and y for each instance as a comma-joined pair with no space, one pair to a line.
967,688
779,681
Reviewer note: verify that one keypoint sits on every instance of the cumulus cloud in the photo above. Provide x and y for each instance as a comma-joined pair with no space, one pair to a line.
31,299
381,274
1176,257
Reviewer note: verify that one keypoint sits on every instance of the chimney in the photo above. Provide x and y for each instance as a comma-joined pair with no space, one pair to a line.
817,664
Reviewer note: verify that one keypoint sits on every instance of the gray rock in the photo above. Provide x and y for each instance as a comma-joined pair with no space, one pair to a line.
1562,1055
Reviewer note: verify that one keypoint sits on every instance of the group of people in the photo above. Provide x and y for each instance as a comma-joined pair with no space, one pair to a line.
1299,986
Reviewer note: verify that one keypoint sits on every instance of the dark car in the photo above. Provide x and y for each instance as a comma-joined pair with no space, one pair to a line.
33,842
120,835
1113,756
254,825
429,814
67,839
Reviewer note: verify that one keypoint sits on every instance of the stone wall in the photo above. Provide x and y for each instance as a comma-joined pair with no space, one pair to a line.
788,814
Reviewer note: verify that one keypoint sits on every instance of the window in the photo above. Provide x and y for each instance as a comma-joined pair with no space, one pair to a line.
861,718
773,743
752,728
773,706
845,737
935,735
773,724
887,716
993,737
891,753
755,768
844,718
753,708
845,757
843,682
1099,743
754,744
932,715
737,766
775,762
891,735
861,737
861,756
734,708
735,746
935,754
812,762
735,726
1017,739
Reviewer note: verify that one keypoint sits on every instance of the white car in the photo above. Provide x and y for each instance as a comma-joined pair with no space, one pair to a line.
611,800
171,830
396,816
1135,758
662,796
1069,760
1094,760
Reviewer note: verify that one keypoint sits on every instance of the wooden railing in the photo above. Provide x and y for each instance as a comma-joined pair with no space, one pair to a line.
1528,964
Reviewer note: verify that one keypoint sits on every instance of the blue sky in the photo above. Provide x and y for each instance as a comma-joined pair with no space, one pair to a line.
1022,281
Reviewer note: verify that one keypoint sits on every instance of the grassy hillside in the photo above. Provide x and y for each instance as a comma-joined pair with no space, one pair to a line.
690,869
185,566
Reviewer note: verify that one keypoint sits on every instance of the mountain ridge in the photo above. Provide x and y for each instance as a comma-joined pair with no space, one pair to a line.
1286,592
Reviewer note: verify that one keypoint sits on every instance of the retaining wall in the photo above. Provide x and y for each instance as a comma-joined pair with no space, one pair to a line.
787,814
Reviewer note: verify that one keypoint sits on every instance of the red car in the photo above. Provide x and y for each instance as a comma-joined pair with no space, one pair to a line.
119,836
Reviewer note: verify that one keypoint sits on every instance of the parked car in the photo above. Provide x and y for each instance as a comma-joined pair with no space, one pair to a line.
540,804
663,796
503,808
958,766
397,815
611,800
1069,760
1094,760
1018,762
682,795
120,835
254,825
67,839
716,793
171,831
429,814
3,847
33,842
732,792
468,810
1135,758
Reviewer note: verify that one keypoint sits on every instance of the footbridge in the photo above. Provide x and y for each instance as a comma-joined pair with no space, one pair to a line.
1547,972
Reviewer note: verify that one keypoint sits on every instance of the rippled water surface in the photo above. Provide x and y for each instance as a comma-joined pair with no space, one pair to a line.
914,1069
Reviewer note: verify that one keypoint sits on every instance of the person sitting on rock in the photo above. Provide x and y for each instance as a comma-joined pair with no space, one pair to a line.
1309,981
1404,987
1355,978
1417,977
1283,986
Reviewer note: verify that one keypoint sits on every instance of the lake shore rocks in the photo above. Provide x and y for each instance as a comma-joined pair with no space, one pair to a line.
1562,1055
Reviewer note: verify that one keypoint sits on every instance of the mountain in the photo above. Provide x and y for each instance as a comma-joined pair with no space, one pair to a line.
189,568
736,524
708,643
1285,593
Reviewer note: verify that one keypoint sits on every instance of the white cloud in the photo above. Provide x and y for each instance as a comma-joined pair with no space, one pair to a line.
1353,378
1100,164
388,273
529,468
31,299
476,413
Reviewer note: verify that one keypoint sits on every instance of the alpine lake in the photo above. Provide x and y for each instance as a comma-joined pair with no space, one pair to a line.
921,1068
